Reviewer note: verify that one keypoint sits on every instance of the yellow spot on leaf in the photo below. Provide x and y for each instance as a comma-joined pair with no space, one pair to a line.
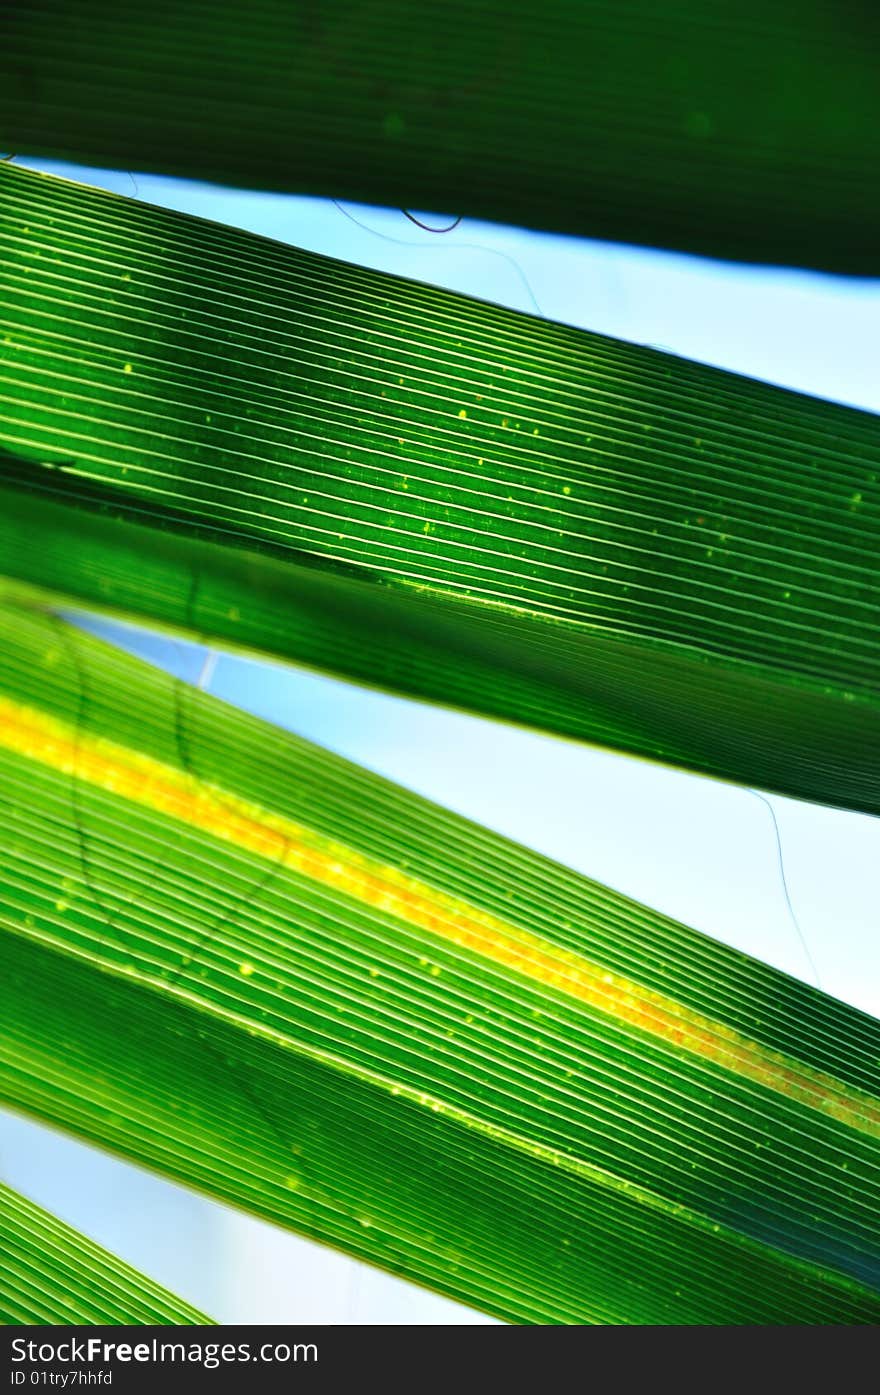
390,890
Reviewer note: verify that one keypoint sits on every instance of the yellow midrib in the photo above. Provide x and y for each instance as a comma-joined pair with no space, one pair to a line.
145,781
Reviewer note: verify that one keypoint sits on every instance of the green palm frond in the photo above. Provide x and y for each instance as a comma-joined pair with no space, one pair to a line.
742,130
50,1273
437,496
238,959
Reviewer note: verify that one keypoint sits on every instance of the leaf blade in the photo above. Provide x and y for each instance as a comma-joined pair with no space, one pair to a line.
693,1139
746,134
681,563
51,1274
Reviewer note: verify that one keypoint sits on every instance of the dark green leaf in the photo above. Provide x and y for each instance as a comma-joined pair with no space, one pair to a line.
741,130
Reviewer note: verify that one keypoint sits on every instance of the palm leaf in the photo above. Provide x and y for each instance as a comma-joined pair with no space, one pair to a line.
236,958
436,495
51,1274
744,131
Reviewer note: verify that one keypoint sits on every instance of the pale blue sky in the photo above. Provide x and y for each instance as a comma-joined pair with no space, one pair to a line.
698,849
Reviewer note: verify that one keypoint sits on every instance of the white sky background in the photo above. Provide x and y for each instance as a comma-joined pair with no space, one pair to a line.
700,850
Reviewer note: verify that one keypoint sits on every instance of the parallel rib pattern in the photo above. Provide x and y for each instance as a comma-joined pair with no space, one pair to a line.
51,1274
586,535
744,131
361,1016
